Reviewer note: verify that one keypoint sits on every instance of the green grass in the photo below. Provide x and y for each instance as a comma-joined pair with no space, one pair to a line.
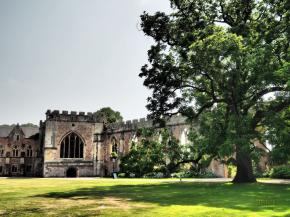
140,197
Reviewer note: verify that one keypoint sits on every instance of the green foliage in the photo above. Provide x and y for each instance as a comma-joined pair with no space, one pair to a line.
108,115
158,152
145,156
232,170
114,155
194,174
28,125
282,172
121,175
221,75
278,135
155,175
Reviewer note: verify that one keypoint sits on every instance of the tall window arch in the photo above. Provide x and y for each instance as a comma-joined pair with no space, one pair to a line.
72,146
114,145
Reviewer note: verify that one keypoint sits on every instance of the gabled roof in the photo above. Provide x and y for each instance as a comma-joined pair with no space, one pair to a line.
28,131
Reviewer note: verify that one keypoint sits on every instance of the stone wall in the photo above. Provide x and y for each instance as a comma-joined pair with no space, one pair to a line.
125,133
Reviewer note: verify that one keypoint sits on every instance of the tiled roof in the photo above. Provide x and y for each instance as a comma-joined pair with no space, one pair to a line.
28,131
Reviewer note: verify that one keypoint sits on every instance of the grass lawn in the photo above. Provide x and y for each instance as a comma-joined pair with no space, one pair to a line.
140,197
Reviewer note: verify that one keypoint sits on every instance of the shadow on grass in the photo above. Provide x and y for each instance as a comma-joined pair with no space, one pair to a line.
251,197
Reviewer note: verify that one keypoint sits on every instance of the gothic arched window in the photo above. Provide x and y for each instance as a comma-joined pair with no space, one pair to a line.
72,146
114,146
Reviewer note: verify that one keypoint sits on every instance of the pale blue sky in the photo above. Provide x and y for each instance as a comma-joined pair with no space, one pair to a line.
72,55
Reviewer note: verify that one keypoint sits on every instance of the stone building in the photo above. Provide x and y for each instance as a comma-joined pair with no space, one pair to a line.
71,144
20,151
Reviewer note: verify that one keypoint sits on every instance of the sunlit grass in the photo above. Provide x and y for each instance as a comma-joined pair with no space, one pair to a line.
140,197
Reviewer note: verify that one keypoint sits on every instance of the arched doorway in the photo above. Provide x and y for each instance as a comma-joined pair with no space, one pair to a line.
71,172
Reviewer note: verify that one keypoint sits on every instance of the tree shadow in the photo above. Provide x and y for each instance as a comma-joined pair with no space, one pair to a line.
252,197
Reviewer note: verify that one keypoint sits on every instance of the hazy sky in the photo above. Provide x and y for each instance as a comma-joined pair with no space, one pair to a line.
72,55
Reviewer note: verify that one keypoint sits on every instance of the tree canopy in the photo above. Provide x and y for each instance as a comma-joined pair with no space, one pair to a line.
223,63
108,115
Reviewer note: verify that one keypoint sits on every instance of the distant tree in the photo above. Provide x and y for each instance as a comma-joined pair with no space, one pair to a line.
7,125
224,64
28,125
22,125
108,115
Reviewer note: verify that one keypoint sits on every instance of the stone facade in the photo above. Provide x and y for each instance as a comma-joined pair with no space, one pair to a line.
71,144
20,151
56,127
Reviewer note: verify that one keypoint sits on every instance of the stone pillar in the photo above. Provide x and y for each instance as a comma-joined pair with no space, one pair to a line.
98,160
94,159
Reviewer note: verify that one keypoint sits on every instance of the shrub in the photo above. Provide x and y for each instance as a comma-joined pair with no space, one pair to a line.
122,175
282,172
194,174
207,174
132,175
232,170
184,174
154,175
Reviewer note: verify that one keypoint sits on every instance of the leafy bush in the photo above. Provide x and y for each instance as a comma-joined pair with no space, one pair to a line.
282,172
122,175
154,175
184,174
132,175
208,174
266,174
232,170
194,174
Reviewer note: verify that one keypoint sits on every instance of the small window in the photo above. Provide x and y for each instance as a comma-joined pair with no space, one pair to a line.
15,151
17,137
29,151
22,154
1,153
7,154
14,169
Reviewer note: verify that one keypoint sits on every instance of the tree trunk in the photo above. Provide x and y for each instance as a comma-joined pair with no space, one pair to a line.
244,168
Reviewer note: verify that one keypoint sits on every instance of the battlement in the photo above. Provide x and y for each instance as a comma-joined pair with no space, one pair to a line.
143,123
129,125
72,116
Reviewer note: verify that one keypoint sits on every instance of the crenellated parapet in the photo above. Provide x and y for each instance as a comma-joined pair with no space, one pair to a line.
130,125
72,116
135,124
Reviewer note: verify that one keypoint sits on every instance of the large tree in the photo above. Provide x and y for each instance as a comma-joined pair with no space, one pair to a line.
224,63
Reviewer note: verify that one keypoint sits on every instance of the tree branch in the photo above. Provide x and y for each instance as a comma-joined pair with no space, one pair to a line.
277,107
254,97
